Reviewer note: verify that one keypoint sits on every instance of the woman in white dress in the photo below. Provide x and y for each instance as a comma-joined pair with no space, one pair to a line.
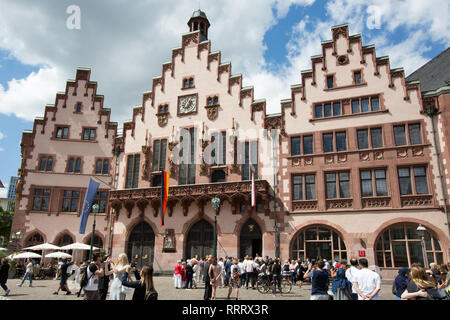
115,291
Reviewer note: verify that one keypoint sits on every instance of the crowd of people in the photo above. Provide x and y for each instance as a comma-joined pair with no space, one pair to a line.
101,276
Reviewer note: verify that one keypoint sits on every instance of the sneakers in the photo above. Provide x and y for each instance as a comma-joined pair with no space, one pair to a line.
55,293
68,293
7,292
30,285
19,284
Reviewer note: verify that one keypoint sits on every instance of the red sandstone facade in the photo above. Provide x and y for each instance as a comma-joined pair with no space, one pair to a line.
348,91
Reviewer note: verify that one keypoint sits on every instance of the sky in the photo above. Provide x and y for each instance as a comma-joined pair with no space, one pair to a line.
125,43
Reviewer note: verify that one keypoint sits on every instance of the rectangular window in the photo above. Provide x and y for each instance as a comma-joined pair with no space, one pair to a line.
355,106
330,181
132,177
357,77
250,160
46,163
308,192
78,107
341,141
102,166
344,184
100,199
218,152
187,167
307,144
89,134
377,140
327,110
318,111
366,183
336,108
70,201
159,155
41,199
363,139
365,105
380,182
375,104
330,82
414,133
74,165
62,132
295,146
420,178
78,165
399,135
404,180
328,142
298,188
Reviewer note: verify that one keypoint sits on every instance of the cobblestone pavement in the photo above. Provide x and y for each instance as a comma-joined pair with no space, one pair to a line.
43,289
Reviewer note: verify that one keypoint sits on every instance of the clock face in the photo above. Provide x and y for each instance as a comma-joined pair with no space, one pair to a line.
187,104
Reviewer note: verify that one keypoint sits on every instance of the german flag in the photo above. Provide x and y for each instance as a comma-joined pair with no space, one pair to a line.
164,195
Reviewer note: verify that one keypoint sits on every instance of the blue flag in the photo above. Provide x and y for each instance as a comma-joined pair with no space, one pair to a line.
87,204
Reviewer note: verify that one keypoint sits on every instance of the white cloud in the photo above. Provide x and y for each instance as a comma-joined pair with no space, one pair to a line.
4,192
1,149
1,136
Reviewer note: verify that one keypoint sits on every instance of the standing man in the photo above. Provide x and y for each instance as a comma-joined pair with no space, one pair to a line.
228,265
206,279
350,274
368,282
94,271
276,274
28,273
248,265
103,281
189,275
319,281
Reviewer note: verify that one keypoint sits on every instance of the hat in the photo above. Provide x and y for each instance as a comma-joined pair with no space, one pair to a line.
403,271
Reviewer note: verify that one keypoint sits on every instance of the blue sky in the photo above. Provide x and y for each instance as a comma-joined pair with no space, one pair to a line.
268,43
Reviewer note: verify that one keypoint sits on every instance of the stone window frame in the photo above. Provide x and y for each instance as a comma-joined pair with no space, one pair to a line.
337,183
189,79
334,132
302,144
62,126
75,157
33,189
303,175
75,108
222,153
369,137
79,202
373,178
133,155
103,159
159,160
327,76
406,124
368,97
40,156
88,128
428,176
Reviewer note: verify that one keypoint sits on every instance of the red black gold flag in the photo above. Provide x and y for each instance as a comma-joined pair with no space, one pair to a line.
164,195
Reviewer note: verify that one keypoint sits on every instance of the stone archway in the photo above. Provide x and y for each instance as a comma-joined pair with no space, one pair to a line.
200,239
141,244
250,239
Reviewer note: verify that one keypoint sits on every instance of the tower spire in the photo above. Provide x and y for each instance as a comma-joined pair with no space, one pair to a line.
199,21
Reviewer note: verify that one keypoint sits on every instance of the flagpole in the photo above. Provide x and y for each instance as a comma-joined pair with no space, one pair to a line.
95,209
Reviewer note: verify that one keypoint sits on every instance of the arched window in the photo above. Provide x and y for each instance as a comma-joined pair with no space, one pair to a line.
400,246
34,240
318,242
64,240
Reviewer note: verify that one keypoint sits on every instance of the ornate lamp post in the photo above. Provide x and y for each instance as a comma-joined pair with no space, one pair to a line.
95,209
215,204
16,237
421,231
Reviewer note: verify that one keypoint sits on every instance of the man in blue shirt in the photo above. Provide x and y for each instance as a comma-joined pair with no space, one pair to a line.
319,281
228,264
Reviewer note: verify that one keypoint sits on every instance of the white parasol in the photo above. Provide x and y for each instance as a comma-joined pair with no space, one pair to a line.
3,249
78,246
26,255
43,246
59,255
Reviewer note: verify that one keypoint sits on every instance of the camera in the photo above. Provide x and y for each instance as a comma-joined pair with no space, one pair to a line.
133,264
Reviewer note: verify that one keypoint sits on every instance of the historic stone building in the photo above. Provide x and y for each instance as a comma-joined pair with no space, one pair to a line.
355,172
70,144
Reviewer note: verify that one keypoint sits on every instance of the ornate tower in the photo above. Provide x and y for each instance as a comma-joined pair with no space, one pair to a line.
199,21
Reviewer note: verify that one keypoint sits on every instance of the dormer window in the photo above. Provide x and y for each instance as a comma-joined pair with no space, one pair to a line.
213,101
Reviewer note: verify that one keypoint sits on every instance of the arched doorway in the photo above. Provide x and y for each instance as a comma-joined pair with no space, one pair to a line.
65,240
250,240
400,245
318,242
200,239
34,240
141,245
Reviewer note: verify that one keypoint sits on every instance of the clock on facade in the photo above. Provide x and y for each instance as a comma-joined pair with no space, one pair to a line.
187,104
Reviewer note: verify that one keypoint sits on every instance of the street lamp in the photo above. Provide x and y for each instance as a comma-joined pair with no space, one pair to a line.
16,237
421,231
215,204
95,209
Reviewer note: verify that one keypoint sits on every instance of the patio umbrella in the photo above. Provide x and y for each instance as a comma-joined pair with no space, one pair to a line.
78,246
59,255
26,255
3,249
43,246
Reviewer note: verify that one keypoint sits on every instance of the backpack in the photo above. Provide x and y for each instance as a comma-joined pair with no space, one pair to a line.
236,273
394,289
438,294
84,278
151,295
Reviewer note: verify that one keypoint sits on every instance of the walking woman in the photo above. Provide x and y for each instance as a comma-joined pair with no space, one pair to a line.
116,292
4,268
28,273
416,289
235,281
215,270
143,286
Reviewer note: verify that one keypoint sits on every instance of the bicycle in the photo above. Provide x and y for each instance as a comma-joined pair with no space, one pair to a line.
264,284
